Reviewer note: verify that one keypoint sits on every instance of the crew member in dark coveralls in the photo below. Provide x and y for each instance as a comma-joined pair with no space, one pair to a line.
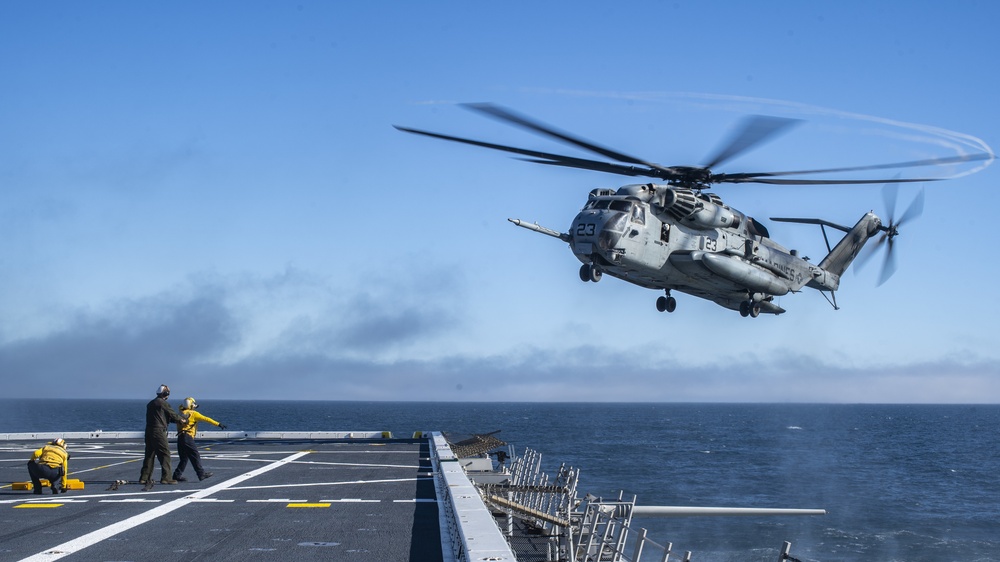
186,449
158,415
51,463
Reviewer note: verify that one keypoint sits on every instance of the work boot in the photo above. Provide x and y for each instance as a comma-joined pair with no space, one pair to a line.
180,479
55,490
205,475
168,481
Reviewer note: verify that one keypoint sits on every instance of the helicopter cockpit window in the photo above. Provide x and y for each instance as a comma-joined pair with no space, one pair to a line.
638,214
597,204
619,205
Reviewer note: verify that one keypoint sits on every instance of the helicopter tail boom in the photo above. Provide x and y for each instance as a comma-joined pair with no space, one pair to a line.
841,256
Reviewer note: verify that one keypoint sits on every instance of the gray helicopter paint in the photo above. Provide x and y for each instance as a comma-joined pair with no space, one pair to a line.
653,236
678,237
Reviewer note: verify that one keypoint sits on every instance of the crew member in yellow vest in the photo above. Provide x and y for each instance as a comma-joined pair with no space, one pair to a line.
51,462
186,448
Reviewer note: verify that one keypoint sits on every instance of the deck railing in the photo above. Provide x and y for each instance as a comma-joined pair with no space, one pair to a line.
545,514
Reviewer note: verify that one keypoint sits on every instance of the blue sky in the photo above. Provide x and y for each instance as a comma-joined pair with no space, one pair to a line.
213,197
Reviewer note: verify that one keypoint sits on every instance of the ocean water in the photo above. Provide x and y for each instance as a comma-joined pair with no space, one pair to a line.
900,482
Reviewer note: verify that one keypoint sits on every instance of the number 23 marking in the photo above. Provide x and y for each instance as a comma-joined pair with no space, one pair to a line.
585,229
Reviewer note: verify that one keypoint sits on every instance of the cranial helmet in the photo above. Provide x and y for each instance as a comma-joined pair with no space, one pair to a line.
190,404
163,390
59,442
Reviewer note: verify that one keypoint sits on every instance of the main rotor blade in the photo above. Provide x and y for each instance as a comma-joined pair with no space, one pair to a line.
726,179
515,150
553,159
509,116
755,130
608,167
910,164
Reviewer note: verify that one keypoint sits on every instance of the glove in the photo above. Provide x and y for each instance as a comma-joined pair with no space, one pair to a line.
222,426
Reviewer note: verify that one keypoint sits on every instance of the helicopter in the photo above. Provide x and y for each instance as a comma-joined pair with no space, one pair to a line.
674,236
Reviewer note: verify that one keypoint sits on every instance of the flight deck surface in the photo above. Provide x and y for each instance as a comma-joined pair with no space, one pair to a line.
268,499
356,496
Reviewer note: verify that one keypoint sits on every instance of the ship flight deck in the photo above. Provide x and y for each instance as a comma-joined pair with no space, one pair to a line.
360,496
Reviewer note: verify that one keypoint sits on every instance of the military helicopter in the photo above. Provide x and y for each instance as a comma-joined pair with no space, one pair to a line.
675,236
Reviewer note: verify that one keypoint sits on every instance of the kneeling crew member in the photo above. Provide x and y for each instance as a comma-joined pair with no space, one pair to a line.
186,448
51,462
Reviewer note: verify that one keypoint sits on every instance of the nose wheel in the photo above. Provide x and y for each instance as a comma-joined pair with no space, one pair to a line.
589,272
666,303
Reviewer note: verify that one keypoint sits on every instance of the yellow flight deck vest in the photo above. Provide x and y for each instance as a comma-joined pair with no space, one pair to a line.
52,455
191,426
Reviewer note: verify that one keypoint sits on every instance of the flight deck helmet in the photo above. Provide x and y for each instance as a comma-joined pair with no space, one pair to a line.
59,442
190,404
163,390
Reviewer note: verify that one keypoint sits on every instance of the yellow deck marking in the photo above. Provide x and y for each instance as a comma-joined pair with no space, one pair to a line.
41,505
308,505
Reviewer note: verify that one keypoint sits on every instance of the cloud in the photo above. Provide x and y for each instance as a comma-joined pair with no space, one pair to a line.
363,347
101,354
217,333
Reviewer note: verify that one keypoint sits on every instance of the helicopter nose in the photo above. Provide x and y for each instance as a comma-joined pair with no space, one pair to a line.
608,240
608,231
596,232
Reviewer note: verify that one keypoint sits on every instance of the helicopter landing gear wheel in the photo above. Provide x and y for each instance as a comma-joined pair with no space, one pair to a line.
666,304
590,272
749,308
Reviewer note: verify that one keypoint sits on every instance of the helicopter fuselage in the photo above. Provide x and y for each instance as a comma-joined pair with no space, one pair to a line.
668,238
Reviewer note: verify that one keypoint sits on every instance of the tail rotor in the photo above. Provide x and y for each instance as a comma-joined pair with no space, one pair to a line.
890,231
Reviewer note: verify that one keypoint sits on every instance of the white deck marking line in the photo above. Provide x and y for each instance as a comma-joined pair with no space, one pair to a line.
60,500
75,472
237,459
361,465
277,500
307,484
80,543
130,500
85,497
350,500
